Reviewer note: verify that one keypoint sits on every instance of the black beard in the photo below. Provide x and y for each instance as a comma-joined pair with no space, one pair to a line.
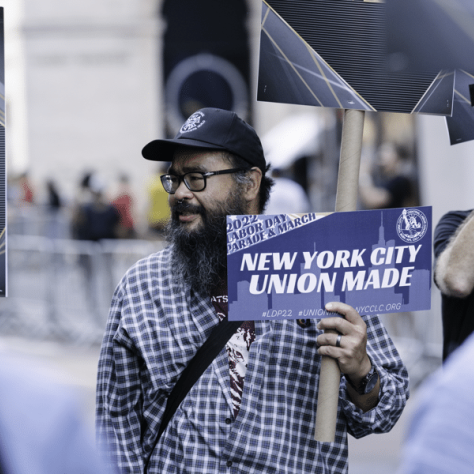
200,256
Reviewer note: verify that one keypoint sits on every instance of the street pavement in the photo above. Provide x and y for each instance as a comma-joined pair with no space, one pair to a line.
76,367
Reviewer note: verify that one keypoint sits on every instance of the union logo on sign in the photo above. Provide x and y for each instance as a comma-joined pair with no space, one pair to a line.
412,225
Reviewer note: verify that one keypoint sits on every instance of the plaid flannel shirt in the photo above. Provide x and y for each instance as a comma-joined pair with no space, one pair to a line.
156,324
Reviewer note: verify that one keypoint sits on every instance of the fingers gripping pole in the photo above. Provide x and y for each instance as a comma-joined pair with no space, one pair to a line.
346,200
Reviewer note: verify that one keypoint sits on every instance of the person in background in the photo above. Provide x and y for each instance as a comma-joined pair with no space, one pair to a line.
98,219
454,276
158,207
440,437
123,202
395,188
95,220
287,196
54,205
27,195
41,428
54,200
82,197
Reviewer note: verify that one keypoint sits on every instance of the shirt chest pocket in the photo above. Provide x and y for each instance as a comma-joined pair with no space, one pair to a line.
294,355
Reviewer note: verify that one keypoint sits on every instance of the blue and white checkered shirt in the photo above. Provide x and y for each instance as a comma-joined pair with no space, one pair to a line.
155,326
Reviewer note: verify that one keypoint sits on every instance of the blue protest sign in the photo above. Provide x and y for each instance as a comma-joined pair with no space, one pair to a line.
289,266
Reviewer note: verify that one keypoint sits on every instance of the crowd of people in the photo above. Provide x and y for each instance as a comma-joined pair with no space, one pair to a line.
95,210
99,210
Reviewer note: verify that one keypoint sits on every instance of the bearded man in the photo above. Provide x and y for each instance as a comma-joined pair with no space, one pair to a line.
254,407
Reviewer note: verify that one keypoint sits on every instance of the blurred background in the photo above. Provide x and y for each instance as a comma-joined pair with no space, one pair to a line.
88,84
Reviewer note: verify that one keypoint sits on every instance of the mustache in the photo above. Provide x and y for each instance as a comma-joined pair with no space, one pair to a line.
181,207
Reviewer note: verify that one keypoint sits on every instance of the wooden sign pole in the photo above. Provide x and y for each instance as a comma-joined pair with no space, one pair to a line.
346,200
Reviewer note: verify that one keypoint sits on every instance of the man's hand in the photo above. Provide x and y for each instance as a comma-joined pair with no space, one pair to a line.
352,355
454,271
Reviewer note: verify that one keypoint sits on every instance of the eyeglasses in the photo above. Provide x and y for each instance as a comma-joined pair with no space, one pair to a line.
195,181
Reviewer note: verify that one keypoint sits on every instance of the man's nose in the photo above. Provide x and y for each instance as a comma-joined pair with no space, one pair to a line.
183,192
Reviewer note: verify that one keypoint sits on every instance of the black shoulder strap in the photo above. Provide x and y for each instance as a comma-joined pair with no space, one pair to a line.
196,367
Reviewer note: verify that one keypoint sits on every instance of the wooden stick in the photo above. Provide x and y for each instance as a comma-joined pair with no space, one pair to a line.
346,200
349,162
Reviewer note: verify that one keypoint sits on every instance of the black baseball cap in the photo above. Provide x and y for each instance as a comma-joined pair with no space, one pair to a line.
215,129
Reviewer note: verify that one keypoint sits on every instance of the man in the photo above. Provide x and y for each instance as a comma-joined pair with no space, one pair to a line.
253,409
454,276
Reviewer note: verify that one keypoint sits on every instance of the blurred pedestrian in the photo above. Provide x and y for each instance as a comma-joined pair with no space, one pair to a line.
54,205
22,212
440,436
96,220
54,200
158,207
82,197
27,196
99,219
41,430
123,202
287,196
394,188
385,184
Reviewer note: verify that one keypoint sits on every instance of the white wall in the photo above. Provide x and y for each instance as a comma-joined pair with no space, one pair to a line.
446,171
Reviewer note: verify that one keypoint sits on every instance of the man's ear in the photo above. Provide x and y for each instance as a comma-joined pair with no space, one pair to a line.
253,186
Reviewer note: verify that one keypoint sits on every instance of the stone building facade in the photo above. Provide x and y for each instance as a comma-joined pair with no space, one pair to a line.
86,87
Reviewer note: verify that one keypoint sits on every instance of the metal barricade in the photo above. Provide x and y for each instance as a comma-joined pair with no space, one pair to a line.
61,288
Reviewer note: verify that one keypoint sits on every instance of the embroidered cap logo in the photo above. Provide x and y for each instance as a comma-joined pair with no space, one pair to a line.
194,122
